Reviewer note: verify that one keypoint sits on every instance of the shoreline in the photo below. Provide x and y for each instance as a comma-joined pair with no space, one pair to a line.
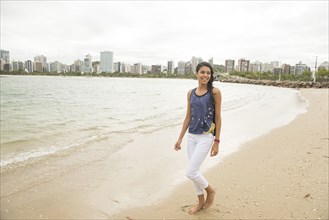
231,79
83,184
283,83
280,175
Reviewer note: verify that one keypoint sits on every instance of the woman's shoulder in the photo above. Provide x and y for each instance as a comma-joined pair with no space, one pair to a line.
190,91
215,90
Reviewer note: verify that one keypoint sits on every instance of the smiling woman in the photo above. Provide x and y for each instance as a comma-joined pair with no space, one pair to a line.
203,108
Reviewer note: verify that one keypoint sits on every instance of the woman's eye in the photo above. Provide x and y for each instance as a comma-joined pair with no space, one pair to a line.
204,72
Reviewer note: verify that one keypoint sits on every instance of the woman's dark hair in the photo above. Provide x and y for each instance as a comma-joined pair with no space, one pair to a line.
211,80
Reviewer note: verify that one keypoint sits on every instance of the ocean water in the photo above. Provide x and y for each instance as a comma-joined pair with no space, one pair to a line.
43,115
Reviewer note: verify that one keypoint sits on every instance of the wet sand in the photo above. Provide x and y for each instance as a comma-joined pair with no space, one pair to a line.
281,175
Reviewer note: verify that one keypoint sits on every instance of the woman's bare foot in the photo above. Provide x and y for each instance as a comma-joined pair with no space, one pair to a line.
210,197
196,208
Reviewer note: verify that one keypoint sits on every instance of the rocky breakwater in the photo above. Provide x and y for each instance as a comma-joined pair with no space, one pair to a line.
287,84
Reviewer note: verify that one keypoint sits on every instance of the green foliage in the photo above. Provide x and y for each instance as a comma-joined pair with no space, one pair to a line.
321,76
115,74
257,75
306,76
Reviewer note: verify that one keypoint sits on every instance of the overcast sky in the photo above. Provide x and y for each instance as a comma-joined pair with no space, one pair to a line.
153,32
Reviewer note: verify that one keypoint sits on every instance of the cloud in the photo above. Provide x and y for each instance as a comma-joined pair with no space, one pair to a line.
153,32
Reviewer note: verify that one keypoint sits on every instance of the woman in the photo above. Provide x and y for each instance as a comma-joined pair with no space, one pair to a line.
203,121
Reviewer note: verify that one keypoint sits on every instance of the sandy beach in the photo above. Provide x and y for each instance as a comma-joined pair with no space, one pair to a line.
280,175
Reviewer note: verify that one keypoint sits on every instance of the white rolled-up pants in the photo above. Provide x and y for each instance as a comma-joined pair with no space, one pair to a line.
198,146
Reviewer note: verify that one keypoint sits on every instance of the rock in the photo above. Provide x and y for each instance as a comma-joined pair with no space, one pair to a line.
307,195
287,84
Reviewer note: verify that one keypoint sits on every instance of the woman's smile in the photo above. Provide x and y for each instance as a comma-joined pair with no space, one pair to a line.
204,75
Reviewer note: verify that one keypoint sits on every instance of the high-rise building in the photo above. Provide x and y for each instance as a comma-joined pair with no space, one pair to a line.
275,64
243,65
87,64
55,67
119,67
21,66
181,67
200,60
4,54
29,66
7,67
137,69
43,60
255,67
37,66
96,67
211,61
300,68
285,69
194,62
277,70
77,66
15,65
229,65
2,63
146,69
115,67
156,69
188,68
126,68
267,67
106,65
171,67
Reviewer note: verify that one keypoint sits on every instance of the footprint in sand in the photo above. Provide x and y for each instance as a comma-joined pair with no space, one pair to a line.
183,208
186,209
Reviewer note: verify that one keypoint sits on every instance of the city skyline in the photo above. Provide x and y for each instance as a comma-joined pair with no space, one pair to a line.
98,59
144,31
107,65
165,62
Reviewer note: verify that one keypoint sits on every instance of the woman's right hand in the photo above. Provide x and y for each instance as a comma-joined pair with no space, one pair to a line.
177,145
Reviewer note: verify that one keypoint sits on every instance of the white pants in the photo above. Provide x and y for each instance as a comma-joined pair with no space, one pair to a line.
198,146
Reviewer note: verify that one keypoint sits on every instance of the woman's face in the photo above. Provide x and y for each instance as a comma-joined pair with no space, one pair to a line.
203,75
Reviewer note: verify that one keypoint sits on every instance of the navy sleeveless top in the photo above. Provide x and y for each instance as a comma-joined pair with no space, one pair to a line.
202,113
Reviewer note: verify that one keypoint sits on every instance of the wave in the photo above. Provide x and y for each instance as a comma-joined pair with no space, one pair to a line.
114,141
90,118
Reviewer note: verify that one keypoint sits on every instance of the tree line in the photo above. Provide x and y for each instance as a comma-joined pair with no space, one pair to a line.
115,74
322,75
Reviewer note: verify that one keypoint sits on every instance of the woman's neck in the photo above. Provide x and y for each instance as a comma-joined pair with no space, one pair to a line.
202,87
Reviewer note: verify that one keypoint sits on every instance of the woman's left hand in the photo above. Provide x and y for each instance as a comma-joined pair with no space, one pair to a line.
214,149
